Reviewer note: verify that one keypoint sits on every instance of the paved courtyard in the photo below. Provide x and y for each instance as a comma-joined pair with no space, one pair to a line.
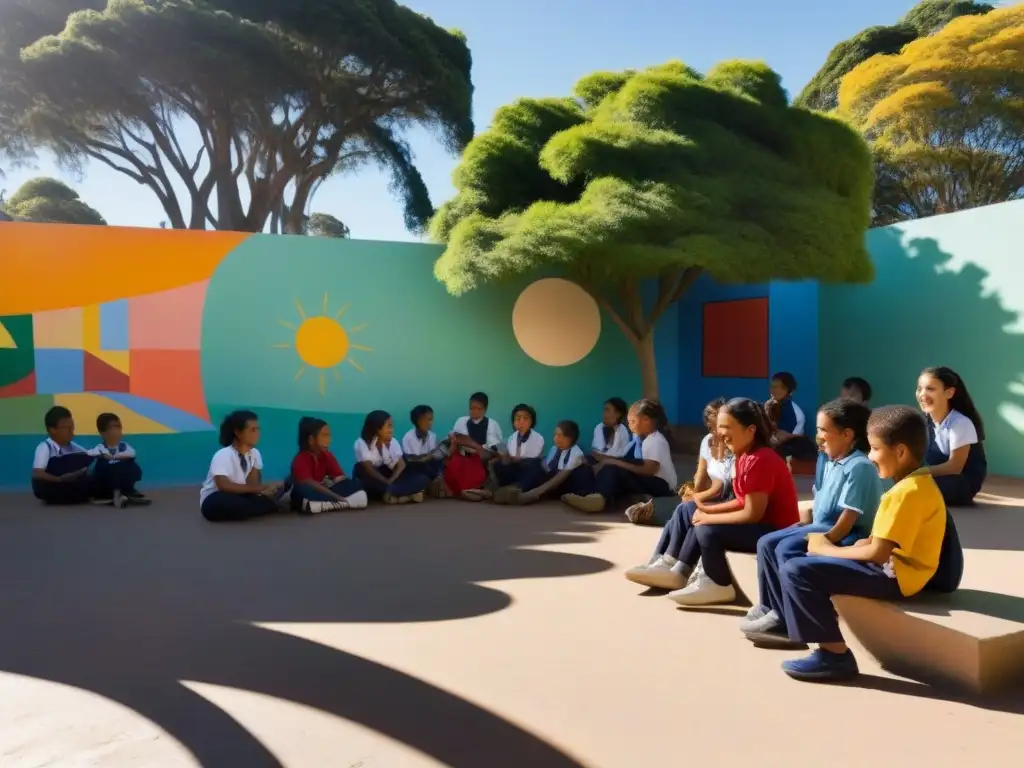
442,635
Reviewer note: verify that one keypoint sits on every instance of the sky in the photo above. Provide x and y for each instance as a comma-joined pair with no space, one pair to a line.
540,48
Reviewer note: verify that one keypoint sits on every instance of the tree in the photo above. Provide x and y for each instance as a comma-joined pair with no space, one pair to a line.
946,116
325,225
925,18
659,175
49,200
231,110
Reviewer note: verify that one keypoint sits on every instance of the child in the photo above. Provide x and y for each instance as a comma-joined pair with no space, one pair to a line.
234,489
60,467
423,454
474,442
897,560
846,495
319,483
956,455
611,438
521,457
116,471
380,467
653,475
765,501
857,389
565,469
789,422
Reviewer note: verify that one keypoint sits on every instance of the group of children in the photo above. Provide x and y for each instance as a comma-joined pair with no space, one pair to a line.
879,525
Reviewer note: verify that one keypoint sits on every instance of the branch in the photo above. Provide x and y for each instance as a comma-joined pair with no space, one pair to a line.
606,305
672,290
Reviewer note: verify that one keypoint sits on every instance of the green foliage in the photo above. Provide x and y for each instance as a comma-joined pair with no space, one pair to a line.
49,200
325,225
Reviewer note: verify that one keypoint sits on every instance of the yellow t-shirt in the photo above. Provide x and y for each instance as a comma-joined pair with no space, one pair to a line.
913,515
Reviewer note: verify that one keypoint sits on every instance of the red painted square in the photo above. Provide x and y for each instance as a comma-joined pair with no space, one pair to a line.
171,377
735,339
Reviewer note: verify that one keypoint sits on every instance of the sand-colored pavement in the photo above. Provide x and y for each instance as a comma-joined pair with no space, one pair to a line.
442,635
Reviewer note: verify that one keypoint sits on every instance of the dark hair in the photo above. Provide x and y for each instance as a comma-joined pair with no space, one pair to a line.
480,397
418,413
750,414
570,429
712,409
55,416
786,379
528,410
234,422
375,420
653,410
104,420
900,425
861,385
309,427
620,407
961,399
849,414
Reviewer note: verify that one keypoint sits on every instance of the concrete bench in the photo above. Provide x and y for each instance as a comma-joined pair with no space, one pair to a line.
973,638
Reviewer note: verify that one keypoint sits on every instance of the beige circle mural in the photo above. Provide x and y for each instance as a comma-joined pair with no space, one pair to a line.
556,322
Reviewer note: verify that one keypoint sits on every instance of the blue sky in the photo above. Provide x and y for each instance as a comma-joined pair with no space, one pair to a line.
540,48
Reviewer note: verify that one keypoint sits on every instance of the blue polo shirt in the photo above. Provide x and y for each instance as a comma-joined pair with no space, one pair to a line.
850,483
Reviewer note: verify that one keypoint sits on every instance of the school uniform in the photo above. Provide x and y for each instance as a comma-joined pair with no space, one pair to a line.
221,506
956,431
465,470
60,460
385,460
611,441
579,481
415,443
718,469
529,449
792,420
112,474
321,467
612,482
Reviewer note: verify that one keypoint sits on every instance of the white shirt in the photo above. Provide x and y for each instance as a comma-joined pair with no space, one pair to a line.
620,441
955,431
375,453
125,451
493,431
413,446
717,470
47,449
570,459
655,448
227,462
532,447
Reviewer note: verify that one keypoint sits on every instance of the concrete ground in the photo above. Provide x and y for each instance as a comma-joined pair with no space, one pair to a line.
445,634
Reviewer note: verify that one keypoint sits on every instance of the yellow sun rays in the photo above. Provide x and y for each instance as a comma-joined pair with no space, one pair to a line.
323,343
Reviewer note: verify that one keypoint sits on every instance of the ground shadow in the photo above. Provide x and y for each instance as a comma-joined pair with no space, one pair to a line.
994,604
1011,702
128,604
990,527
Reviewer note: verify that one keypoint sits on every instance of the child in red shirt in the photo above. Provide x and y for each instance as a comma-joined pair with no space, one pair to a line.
319,481
765,501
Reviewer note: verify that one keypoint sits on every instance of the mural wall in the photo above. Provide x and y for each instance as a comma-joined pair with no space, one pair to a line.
171,330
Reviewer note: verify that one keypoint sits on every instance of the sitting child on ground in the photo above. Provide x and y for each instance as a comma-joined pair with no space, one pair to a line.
521,457
565,470
318,481
380,467
423,453
956,451
234,489
857,389
847,491
787,420
897,560
474,443
60,466
652,475
611,438
116,471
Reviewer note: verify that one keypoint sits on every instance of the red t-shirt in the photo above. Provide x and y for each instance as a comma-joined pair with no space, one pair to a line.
764,471
315,466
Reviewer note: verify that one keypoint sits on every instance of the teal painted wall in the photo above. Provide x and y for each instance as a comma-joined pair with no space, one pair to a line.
949,291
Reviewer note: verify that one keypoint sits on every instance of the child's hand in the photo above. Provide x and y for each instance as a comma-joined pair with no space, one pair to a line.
74,475
701,518
818,543
271,488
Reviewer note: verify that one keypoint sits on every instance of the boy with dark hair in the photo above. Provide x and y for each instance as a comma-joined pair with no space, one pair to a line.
60,466
896,561
116,469
856,388
789,437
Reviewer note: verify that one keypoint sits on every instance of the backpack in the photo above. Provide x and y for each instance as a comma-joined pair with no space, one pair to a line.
951,561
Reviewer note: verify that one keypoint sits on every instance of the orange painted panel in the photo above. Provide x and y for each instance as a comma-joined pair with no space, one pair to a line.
57,266
735,339
171,377
170,319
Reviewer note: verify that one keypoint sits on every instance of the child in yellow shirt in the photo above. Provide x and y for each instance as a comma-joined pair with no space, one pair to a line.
896,561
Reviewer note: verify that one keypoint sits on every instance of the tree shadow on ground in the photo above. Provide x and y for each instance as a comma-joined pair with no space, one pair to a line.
128,605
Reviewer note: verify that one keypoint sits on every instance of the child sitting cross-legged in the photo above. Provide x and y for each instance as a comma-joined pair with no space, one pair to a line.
380,466
116,470
563,471
60,466
423,453
319,482
520,458
847,490
897,560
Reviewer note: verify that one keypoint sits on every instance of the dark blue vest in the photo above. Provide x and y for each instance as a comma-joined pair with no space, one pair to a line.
478,432
976,467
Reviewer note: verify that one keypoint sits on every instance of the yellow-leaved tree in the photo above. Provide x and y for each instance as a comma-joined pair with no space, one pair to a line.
945,117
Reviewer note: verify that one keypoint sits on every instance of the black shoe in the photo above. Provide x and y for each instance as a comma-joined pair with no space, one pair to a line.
135,498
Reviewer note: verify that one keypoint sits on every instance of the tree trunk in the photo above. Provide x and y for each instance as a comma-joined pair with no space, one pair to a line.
648,365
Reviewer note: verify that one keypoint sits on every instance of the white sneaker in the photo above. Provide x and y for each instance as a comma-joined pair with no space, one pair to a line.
318,507
703,591
658,575
357,500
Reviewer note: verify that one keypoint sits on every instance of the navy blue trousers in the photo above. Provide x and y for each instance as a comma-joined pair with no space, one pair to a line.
431,468
708,544
70,492
774,550
808,584
345,488
516,472
120,475
956,490
613,482
580,481
223,507
407,483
